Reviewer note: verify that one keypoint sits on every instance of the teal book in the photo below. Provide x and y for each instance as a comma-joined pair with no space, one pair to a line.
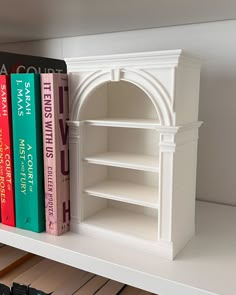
28,151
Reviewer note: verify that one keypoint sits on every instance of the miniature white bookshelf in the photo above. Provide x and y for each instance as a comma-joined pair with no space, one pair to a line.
133,147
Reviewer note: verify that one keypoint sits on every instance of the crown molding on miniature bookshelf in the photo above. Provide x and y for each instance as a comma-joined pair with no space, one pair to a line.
157,59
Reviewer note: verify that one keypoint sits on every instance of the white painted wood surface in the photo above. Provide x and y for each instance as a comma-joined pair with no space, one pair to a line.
125,191
206,266
130,161
126,123
124,222
138,88
57,18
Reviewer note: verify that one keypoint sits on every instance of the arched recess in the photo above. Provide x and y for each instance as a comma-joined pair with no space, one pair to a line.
155,91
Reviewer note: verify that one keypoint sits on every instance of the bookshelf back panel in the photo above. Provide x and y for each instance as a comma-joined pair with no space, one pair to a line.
128,220
96,104
92,205
129,101
99,173
129,140
94,174
118,100
133,208
97,139
135,176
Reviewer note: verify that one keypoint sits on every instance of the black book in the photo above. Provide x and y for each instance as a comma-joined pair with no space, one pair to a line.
5,290
20,63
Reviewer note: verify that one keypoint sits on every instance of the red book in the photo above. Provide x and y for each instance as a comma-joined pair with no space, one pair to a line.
6,162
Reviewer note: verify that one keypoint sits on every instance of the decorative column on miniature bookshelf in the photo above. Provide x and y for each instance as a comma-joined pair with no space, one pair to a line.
167,149
178,163
75,182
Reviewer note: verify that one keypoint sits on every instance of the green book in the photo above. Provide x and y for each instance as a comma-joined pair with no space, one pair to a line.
28,152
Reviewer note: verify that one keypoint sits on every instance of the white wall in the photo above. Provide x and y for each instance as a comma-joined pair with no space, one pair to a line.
216,44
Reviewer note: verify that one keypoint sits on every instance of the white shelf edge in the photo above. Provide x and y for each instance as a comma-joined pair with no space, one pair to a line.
49,249
158,127
121,199
113,190
124,123
128,161
139,268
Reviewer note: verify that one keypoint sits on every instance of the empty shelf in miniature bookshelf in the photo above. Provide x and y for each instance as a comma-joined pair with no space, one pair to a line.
124,222
127,192
125,160
123,122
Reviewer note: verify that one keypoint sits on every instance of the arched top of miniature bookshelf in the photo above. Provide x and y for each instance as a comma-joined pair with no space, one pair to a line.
149,85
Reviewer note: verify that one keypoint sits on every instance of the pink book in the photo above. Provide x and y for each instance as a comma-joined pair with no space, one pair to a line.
55,112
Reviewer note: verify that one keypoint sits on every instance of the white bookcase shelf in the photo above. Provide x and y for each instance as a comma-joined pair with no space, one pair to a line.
206,266
125,160
125,191
124,222
71,18
125,123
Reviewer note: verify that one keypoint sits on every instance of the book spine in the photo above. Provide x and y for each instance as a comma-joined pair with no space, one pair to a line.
27,151
48,124
18,289
6,163
33,291
62,148
4,290
56,152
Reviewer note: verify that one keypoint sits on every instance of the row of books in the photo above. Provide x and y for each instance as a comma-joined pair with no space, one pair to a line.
26,274
34,155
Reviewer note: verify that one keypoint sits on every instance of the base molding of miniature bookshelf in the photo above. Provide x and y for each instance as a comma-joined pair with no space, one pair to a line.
140,232
205,266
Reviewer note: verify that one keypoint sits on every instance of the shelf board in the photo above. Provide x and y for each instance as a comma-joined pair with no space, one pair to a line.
123,160
127,192
125,222
72,18
124,123
206,266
